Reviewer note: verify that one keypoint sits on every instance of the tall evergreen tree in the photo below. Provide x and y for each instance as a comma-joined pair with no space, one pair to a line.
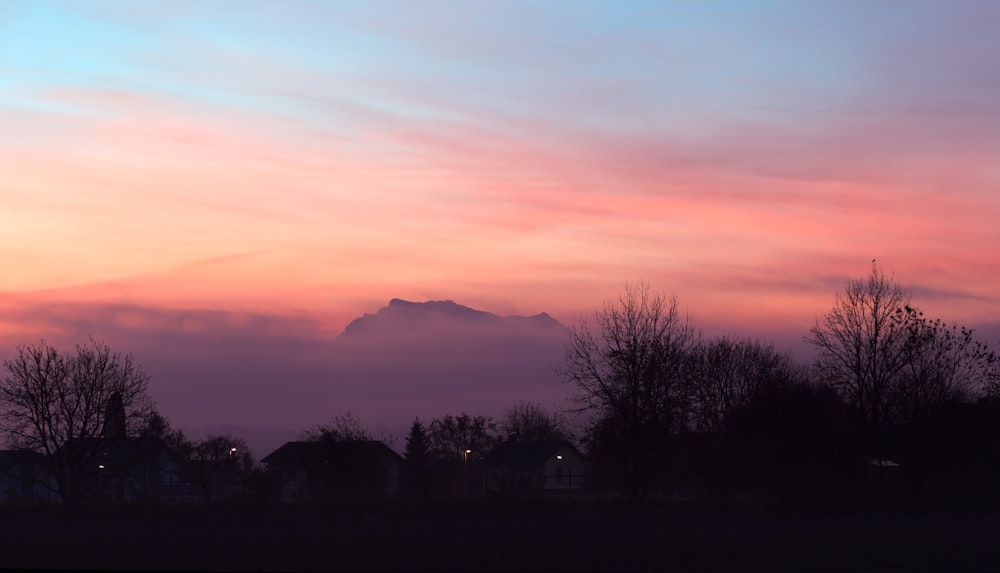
418,454
417,444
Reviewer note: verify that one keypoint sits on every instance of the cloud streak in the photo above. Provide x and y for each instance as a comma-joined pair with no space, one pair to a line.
318,161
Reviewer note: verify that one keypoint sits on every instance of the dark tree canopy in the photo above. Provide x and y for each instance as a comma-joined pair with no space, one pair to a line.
527,421
890,364
790,442
861,346
62,403
731,372
462,437
943,363
157,426
344,427
418,449
633,370
213,462
223,448
218,458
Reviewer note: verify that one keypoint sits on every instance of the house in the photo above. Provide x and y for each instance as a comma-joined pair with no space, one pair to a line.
126,470
121,470
330,469
534,466
216,480
25,478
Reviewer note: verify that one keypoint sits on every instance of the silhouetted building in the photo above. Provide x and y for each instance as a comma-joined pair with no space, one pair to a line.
534,466
25,478
330,469
126,470
217,480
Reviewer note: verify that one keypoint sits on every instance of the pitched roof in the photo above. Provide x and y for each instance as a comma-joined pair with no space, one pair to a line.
321,453
11,458
533,453
119,452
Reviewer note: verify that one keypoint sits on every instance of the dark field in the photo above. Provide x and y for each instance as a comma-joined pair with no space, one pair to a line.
511,535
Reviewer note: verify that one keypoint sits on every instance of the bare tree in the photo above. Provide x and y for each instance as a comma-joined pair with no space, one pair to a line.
943,363
60,404
890,363
344,427
731,373
992,380
219,463
528,421
462,438
862,346
633,372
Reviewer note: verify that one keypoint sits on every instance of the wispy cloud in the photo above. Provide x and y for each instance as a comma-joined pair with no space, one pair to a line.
532,155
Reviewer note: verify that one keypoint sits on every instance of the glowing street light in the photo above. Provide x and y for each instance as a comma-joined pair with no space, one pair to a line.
465,476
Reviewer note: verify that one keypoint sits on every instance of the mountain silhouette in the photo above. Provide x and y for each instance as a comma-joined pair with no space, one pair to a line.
402,318
439,357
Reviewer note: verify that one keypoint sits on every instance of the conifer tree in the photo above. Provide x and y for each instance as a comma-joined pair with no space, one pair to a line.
417,456
417,445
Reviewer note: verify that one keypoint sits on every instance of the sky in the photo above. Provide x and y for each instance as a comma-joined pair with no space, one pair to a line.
297,165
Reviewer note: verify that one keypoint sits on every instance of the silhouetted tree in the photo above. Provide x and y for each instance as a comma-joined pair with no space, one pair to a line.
943,363
634,373
791,444
219,461
418,456
730,373
344,427
61,404
213,462
418,448
891,365
528,421
157,426
862,348
954,458
462,438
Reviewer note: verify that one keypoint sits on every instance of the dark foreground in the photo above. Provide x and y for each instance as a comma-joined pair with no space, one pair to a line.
510,535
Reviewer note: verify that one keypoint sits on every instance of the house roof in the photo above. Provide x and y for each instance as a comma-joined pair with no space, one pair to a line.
322,453
12,458
532,453
120,451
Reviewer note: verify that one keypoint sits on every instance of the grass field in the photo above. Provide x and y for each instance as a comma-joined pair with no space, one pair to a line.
489,535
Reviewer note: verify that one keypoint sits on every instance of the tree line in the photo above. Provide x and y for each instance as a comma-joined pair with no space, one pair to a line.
673,410
665,410
452,437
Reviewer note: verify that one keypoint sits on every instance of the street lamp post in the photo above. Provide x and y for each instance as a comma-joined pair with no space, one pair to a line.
465,476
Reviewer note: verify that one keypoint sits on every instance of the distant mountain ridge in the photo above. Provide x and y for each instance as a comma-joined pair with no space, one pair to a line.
428,359
402,316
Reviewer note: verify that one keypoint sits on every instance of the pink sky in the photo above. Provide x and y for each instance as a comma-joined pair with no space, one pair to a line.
312,163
